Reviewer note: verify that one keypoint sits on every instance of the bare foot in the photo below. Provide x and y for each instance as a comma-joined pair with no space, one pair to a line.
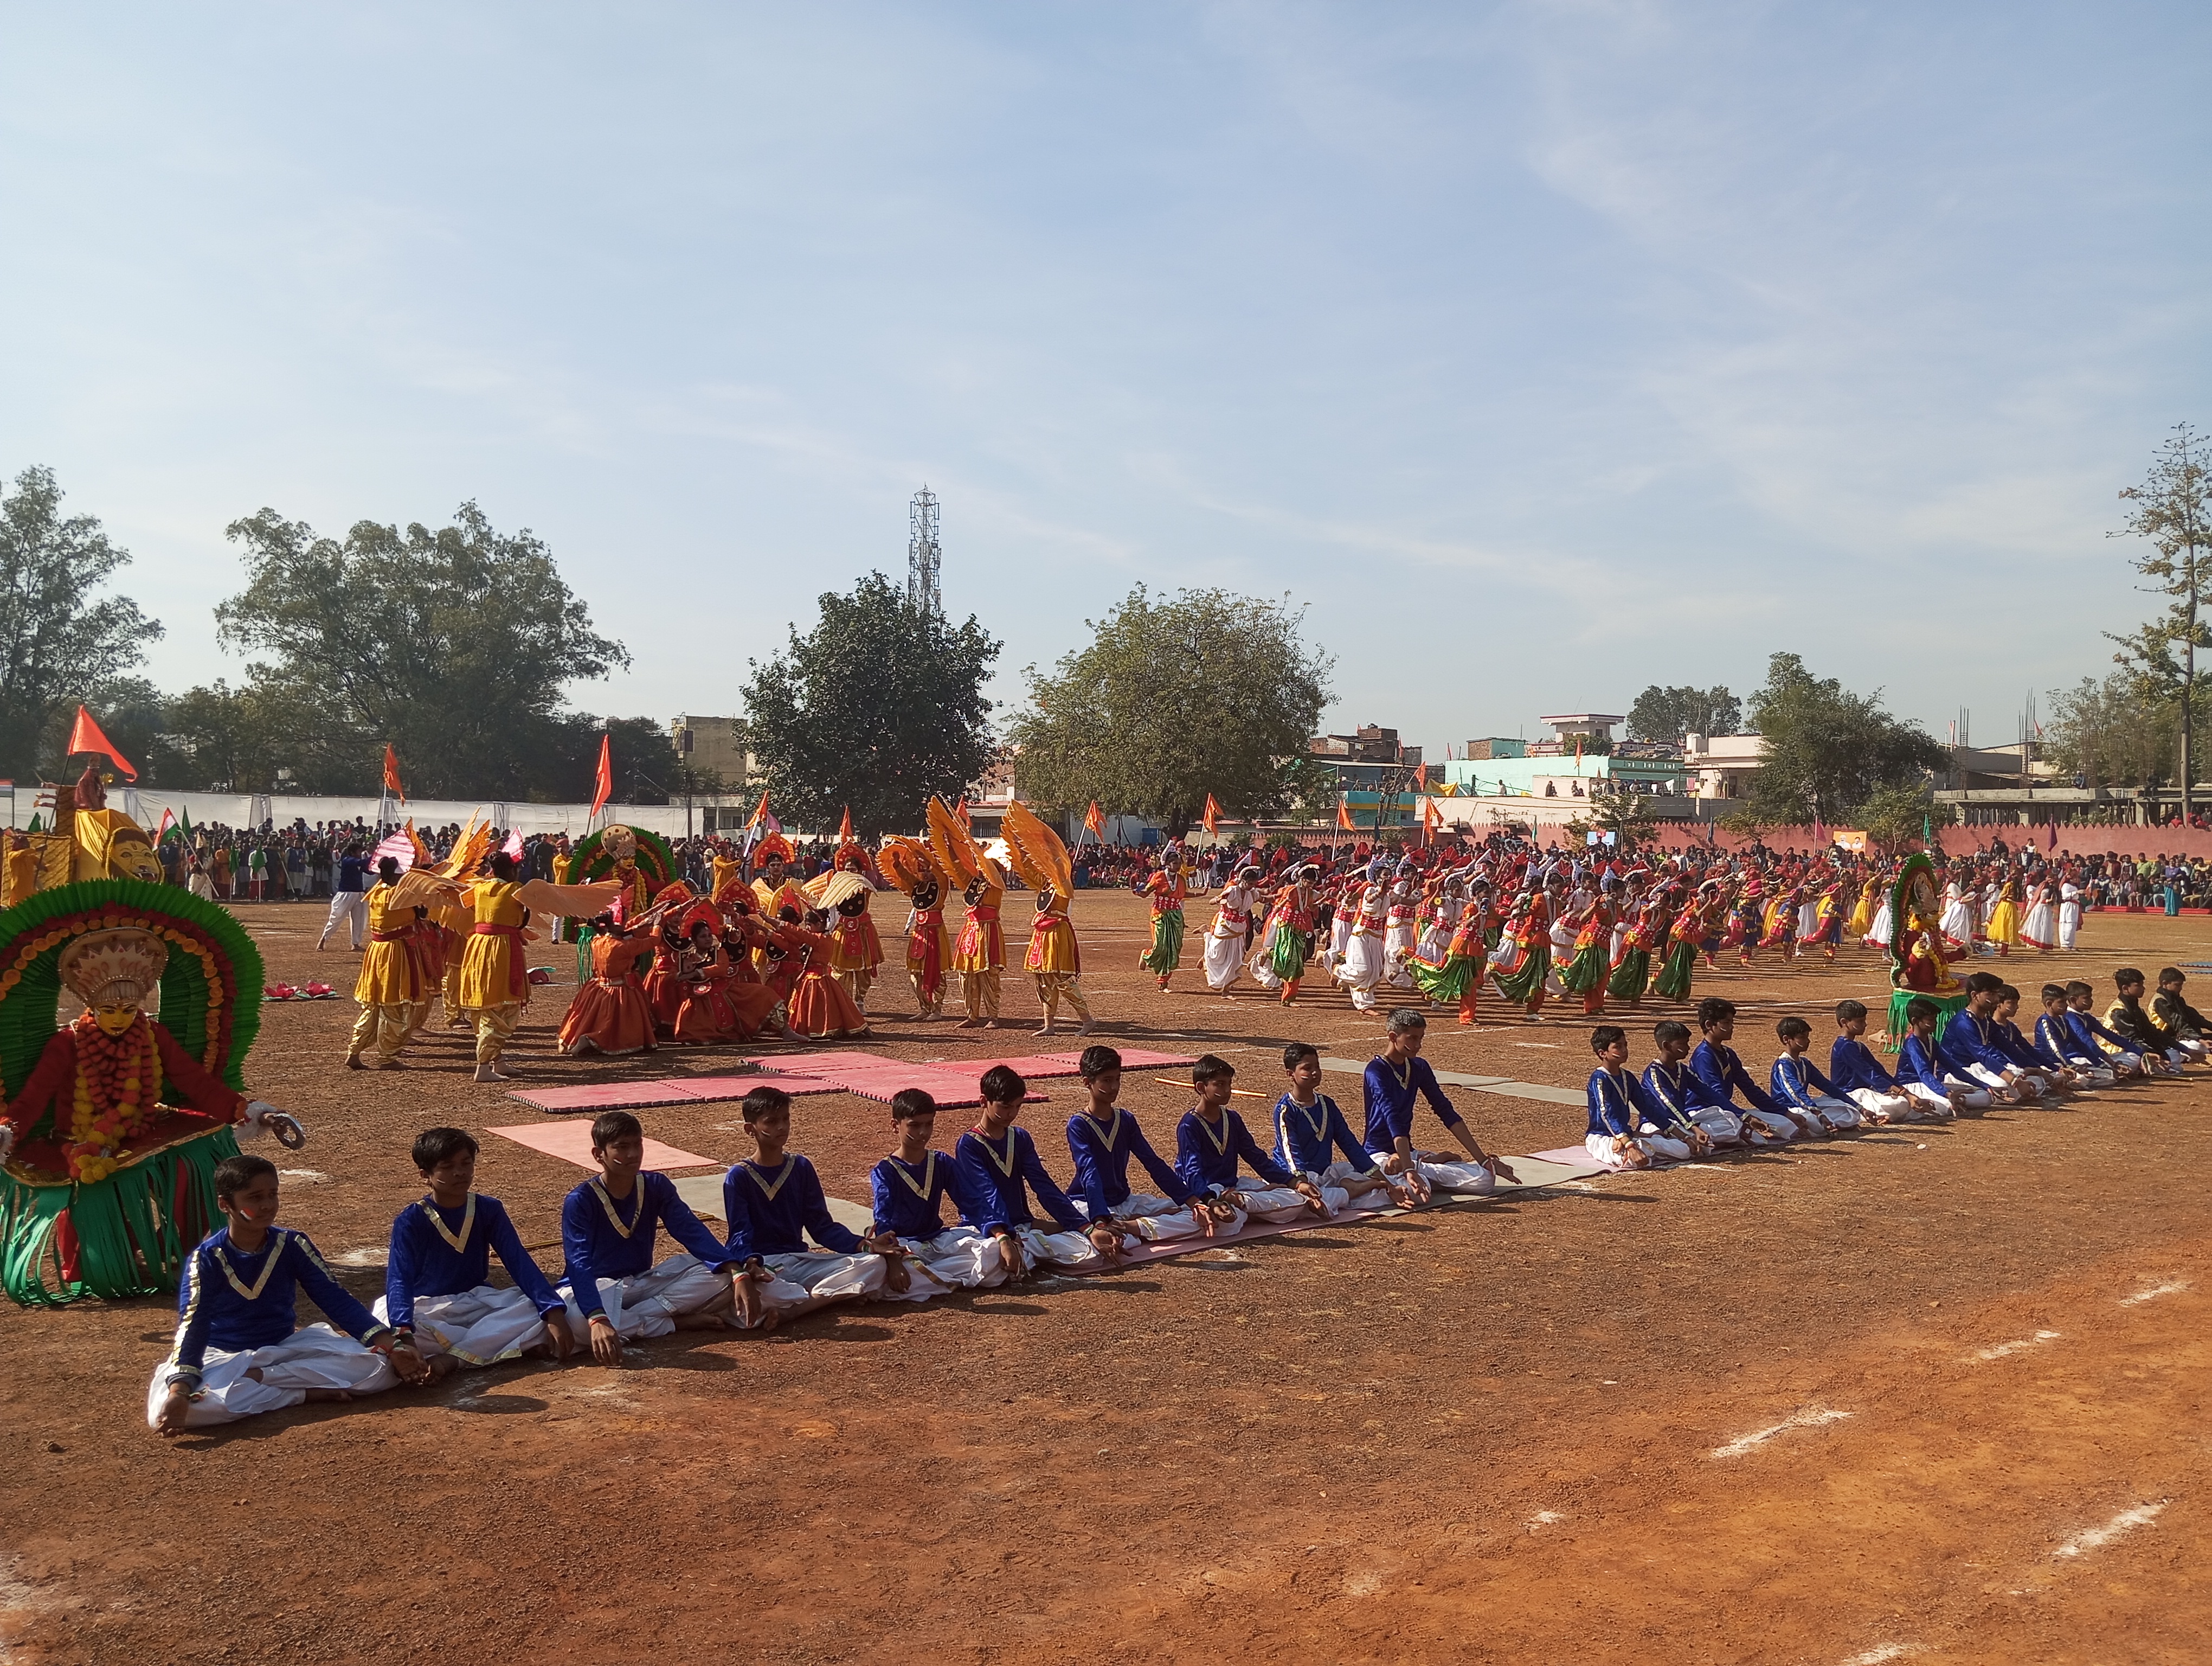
353,1062
486,1073
1084,1028
970,1024
1046,1031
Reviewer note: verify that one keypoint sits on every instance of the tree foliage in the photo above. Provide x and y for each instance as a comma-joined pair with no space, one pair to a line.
2173,511
60,644
1667,714
452,646
1210,692
1896,814
879,706
1827,749
2117,731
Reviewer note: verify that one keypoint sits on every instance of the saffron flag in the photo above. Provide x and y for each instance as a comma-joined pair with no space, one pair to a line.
845,827
85,737
603,785
1344,814
1213,815
760,812
1421,776
1095,821
392,774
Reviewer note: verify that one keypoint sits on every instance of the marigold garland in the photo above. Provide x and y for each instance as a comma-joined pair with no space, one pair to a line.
118,1078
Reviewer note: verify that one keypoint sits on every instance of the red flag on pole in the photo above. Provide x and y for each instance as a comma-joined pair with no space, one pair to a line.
392,774
1213,814
1344,814
760,812
603,786
85,737
1093,819
845,827
961,810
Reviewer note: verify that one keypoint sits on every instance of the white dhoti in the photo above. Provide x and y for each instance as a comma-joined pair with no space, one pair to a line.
1723,1128
1837,1113
957,1258
2099,1072
1224,960
1276,1204
1339,942
1362,969
1652,1144
1778,1124
801,1282
1056,1249
479,1327
1444,1174
351,907
2027,1087
2069,924
1395,947
1875,1102
648,1304
1154,1218
313,1357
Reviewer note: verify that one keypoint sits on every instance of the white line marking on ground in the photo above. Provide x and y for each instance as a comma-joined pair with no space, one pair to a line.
1812,1418
2003,1348
2171,1287
1544,1518
2097,1537
1882,1651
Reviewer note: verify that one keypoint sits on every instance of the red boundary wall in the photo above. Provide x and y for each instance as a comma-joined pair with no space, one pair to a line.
2136,841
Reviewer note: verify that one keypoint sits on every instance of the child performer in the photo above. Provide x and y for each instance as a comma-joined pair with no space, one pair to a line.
609,1013
236,1353
2057,1036
1459,977
1039,857
1589,962
998,1172
1394,1079
1721,1068
1797,1085
818,1004
1309,1129
1971,1039
437,1280
493,985
1167,889
1928,1074
856,952
1288,939
1624,1127
1859,1076
2171,1008
2121,1039
390,988
1232,923
909,1187
609,1226
980,955
774,1202
1102,1139
1212,1140
1687,1108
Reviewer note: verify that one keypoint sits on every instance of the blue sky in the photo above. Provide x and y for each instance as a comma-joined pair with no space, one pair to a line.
1546,351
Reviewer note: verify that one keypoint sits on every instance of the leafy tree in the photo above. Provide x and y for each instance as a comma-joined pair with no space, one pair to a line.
1667,714
2173,509
879,706
2120,730
452,646
1896,814
59,644
1827,749
646,769
1627,816
1211,692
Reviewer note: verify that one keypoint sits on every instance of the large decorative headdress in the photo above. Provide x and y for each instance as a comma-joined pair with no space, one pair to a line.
116,968
597,854
1037,852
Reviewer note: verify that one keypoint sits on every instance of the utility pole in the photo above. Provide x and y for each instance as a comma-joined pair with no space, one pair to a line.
923,556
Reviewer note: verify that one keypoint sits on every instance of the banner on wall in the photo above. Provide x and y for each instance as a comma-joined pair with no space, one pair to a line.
1849,839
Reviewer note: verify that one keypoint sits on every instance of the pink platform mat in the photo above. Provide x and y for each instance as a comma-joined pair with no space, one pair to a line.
572,1143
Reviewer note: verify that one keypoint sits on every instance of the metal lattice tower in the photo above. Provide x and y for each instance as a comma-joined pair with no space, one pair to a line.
923,557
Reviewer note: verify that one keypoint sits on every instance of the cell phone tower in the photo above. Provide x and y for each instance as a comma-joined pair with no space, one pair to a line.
923,556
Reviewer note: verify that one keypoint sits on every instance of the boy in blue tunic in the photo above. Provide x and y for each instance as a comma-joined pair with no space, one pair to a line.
1928,1074
774,1203
437,1279
237,1353
1720,1067
1397,1077
610,1227
2095,1040
1684,1106
2055,1039
1859,1076
999,1170
1624,1130
1103,1138
1970,1039
1309,1130
1212,1140
2060,1080
909,1188
1801,1090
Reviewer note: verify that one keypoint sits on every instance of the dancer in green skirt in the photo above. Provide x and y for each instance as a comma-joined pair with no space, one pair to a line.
1167,889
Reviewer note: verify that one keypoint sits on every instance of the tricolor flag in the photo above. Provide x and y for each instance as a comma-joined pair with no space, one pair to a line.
168,824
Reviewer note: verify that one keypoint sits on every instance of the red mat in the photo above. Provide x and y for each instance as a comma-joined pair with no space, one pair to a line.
949,1088
607,1095
736,1088
1040,1065
572,1143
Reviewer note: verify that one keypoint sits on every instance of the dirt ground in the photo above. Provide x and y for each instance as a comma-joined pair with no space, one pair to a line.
1935,1393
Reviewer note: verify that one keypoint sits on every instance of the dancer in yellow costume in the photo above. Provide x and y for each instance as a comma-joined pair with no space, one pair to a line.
908,864
391,987
979,953
1054,958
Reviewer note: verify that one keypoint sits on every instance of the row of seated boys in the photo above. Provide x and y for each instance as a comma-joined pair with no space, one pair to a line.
238,1350
1684,1105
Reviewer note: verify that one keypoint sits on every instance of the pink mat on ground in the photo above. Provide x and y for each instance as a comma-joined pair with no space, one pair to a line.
1040,1065
606,1095
949,1088
572,1143
736,1088
1132,1058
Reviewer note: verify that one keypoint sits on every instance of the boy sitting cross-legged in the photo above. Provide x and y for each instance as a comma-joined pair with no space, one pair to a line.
1212,1140
2054,1039
774,1203
1623,1129
2095,1040
1720,1067
1102,1139
1799,1087
1859,1076
1685,1104
909,1187
999,1169
437,1280
2060,1079
1929,1075
609,1226
2159,1045
237,1353
1394,1079
1309,1129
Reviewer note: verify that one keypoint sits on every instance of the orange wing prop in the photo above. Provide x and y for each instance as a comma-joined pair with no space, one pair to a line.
1038,852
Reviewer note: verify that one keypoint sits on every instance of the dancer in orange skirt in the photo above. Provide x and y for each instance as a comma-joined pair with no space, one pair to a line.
611,1013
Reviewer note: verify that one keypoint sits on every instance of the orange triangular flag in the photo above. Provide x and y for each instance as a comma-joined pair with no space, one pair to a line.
1213,814
85,737
392,774
603,784
845,827
1344,814
1095,820
760,812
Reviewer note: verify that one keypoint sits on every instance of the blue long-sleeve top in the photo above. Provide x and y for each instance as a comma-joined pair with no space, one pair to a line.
230,1301
1720,1067
2017,1047
441,1252
909,1197
772,1211
2055,1041
1101,1152
1306,1135
609,1237
2088,1029
1851,1064
1794,1081
1618,1104
1207,1154
1676,1090
1389,1100
1925,1061
1973,1040
1001,1176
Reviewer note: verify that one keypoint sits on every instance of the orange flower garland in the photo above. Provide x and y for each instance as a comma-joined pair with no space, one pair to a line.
118,1079
220,988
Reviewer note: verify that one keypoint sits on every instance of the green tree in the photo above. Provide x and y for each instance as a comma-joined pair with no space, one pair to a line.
1211,692
452,646
1895,814
2116,731
59,643
2173,510
1827,749
1667,714
879,706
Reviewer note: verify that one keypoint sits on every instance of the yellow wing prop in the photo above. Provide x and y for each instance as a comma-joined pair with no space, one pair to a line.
828,890
422,888
470,849
545,899
1037,854
953,845
908,864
